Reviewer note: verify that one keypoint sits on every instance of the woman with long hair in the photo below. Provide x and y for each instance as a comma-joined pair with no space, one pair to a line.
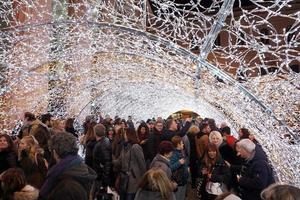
131,164
215,173
15,187
30,159
155,185
8,157
89,142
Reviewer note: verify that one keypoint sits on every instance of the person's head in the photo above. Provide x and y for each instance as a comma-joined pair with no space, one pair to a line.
165,149
245,148
211,155
29,117
225,131
130,135
69,123
177,142
282,192
129,118
205,128
12,180
193,130
159,125
30,145
62,145
57,125
46,119
99,130
123,123
150,124
110,133
216,138
171,125
212,124
223,124
6,143
156,180
244,133
143,129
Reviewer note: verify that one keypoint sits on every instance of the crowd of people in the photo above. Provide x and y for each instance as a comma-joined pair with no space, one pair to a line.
155,160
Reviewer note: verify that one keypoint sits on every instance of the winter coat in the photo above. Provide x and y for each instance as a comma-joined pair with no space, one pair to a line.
162,163
228,153
201,141
90,144
102,160
35,173
256,176
132,161
69,179
180,172
27,193
152,144
151,195
8,159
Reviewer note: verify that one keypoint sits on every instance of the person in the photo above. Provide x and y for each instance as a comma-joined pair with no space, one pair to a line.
89,142
30,159
179,167
192,133
15,187
110,134
172,129
226,133
202,139
46,119
214,172
228,196
69,178
154,141
282,192
8,156
69,127
102,157
155,185
162,159
257,174
143,133
131,164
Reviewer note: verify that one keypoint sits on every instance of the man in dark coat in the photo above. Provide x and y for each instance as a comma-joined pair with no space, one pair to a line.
153,142
102,157
69,178
257,174
172,129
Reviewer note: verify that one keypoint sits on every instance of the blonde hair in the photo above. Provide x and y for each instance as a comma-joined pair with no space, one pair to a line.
156,180
32,150
218,134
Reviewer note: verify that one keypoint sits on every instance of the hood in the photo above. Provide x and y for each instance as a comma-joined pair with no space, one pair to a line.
27,193
160,158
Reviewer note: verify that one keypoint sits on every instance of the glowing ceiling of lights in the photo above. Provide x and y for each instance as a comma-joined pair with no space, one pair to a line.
152,58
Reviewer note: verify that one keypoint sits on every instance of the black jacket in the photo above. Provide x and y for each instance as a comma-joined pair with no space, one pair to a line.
8,159
89,152
256,176
102,160
152,144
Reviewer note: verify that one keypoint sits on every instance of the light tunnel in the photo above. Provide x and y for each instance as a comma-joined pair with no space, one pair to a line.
70,67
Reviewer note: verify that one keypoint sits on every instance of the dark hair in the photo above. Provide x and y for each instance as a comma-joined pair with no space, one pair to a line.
69,123
46,117
139,130
245,133
64,144
13,180
11,145
226,130
29,116
203,125
99,130
165,147
131,135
